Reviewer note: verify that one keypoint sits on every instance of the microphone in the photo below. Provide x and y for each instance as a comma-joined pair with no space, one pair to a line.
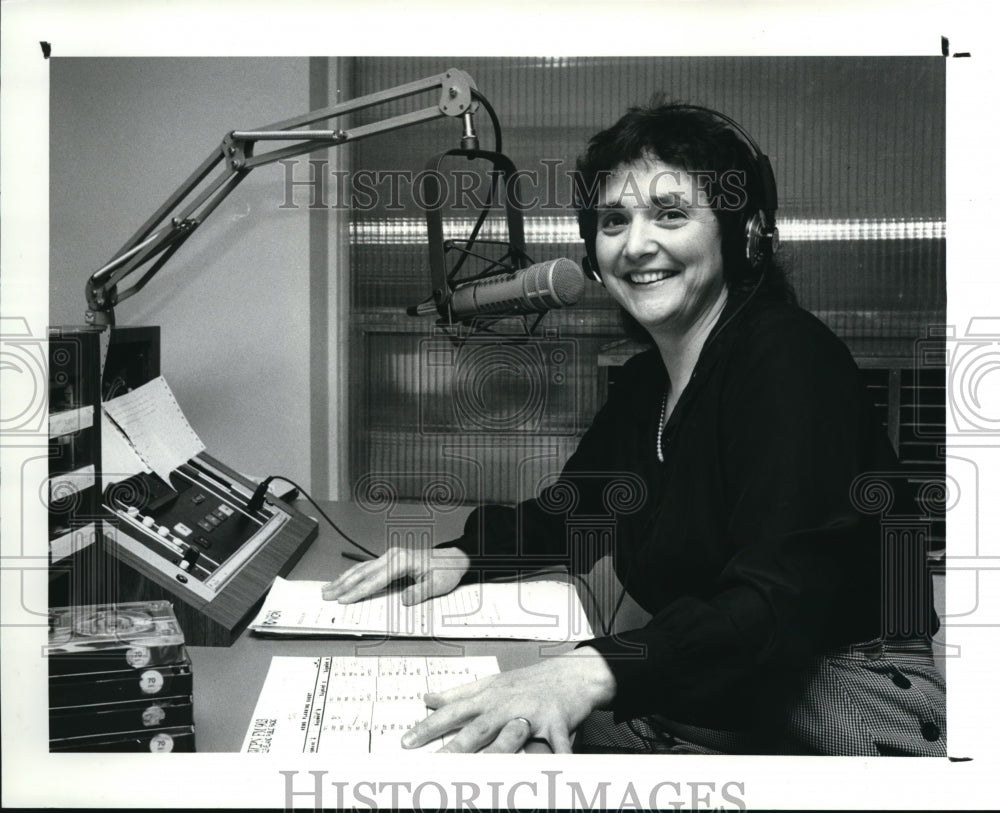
535,289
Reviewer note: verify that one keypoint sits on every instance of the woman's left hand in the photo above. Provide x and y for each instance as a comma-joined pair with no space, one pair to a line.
502,712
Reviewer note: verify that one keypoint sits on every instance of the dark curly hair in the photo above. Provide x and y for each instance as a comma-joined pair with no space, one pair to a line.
695,140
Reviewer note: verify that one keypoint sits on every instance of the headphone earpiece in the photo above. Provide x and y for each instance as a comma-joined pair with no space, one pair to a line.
761,228
762,240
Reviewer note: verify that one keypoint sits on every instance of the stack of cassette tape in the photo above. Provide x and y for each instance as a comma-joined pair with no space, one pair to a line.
119,679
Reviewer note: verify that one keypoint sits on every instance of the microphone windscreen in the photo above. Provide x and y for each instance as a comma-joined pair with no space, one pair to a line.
564,281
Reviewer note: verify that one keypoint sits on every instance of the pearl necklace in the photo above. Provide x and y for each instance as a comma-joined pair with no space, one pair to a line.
661,426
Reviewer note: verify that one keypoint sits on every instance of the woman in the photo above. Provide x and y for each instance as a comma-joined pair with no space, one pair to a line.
742,431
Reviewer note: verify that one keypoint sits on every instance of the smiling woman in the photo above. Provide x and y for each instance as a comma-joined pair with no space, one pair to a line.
745,430
661,255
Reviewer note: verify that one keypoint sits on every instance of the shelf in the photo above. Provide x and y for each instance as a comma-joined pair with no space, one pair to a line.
70,421
73,541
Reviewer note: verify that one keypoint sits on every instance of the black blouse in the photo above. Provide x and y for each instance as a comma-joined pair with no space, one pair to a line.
746,544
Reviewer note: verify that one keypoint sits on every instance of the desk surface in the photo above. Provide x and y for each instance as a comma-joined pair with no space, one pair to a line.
228,680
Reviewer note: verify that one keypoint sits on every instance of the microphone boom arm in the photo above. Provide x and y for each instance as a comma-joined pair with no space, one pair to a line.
187,208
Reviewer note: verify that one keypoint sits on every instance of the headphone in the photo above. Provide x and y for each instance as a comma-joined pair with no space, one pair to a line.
761,231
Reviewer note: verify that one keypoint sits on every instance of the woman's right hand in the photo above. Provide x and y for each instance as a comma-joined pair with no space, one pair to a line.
434,572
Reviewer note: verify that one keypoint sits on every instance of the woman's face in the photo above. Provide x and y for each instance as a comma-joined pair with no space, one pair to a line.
659,247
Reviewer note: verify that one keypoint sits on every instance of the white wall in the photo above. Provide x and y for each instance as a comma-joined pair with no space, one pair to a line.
233,303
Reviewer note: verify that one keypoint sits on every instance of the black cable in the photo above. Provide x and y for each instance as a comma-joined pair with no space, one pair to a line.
257,500
614,613
497,135
497,147
484,212
738,310
262,490
580,579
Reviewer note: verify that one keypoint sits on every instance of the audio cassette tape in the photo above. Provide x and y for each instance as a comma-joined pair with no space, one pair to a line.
109,637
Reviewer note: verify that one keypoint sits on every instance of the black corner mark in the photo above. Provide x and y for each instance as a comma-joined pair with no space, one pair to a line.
946,49
46,49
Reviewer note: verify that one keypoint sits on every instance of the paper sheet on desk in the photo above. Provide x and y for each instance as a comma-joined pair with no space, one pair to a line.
153,422
353,705
526,610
